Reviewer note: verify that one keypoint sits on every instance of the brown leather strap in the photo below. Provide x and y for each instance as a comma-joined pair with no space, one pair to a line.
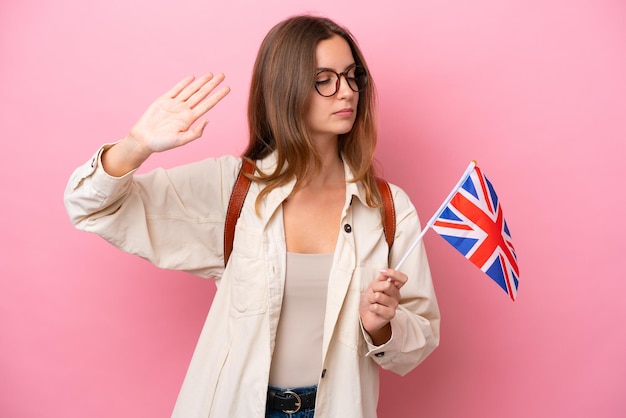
240,190
389,211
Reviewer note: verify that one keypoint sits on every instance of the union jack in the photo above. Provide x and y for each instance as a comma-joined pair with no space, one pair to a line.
473,223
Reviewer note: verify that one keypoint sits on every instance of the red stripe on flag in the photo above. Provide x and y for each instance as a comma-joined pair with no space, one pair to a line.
507,277
453,225
483,186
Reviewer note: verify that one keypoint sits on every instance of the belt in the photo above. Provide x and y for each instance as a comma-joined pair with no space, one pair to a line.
290,402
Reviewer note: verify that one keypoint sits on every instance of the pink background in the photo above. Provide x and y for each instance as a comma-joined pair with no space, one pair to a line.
535,91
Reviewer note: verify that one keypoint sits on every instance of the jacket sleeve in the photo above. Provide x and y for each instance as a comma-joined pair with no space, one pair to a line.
415,328
173,218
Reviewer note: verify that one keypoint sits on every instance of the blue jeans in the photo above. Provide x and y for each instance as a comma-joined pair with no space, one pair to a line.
303,413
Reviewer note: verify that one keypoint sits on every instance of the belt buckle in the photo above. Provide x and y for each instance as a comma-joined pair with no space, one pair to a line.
298,402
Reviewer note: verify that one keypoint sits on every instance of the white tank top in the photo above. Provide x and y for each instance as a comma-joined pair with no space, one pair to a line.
297,358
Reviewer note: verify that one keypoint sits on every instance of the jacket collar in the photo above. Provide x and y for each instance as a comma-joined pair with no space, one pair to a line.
278,195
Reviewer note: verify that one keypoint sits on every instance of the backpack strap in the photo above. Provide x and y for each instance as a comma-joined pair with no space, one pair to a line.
388,211
240,190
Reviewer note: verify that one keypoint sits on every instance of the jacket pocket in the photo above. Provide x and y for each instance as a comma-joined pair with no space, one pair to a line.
249,276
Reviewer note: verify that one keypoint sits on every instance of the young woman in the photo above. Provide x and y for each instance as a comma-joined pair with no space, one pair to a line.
306,309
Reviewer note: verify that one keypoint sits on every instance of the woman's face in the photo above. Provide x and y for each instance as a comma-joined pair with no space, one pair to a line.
331,116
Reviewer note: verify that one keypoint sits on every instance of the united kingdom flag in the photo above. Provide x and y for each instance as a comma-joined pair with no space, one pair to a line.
473,223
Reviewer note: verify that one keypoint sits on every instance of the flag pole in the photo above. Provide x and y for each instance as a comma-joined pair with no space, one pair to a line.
432,220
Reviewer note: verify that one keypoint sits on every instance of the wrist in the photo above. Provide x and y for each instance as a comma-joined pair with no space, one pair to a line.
123,157
381,335
135,150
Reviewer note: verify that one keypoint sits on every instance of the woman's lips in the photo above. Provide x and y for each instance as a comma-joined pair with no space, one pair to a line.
344,112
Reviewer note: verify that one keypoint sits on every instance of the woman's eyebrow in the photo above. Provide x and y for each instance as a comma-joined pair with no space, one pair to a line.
349,67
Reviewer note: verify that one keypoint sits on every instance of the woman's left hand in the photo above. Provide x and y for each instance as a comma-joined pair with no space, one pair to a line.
379,303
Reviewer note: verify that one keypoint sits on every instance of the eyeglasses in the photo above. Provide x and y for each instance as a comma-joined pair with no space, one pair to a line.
327,81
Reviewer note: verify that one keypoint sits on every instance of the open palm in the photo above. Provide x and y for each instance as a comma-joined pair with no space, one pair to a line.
170,121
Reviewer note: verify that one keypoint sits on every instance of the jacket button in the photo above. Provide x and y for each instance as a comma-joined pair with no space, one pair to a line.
382,353
347,228
323,373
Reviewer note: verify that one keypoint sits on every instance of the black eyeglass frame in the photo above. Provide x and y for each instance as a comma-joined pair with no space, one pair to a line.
358,70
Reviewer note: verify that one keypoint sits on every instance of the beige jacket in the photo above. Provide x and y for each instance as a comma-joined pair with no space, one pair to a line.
175,219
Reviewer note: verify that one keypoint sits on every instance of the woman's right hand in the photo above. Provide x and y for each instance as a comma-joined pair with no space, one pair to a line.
169,122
